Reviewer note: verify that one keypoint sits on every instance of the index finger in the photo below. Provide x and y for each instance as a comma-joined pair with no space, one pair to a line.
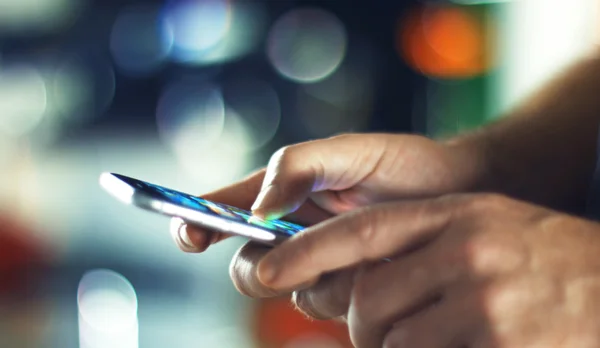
368,234
192,238
241,194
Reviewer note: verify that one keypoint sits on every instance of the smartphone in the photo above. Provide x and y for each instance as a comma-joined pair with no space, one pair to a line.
201,212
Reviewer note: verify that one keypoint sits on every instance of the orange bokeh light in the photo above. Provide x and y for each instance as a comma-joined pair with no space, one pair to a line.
444,42
278,324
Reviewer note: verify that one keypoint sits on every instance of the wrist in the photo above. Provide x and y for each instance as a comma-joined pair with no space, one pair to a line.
471,157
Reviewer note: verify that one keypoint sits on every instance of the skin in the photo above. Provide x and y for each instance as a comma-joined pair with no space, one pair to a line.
512,268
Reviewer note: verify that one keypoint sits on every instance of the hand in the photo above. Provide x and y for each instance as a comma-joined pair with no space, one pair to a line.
336,175
465,271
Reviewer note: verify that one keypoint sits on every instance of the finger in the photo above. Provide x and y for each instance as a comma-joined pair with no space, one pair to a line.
194,239
392,291
198,239
179,232
445,324
329,298
340,202
242,271
365,235
295,171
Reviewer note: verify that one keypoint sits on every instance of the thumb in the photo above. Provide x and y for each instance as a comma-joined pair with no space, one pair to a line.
337,163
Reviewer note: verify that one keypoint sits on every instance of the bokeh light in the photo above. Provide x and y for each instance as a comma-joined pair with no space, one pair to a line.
341,103
320,118
81,88
195,26
78,89
8,150
444,41
190,114
108,307
539,39
222,162
37,97
350,86
247,26
26,16
307,45
257,107
23,99
208,139
237,138
137,44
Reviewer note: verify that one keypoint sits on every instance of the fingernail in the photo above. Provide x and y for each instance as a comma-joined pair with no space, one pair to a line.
175,226
267,272
185,238
265,199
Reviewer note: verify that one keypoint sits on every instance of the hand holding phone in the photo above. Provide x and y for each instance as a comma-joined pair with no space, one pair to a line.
198,211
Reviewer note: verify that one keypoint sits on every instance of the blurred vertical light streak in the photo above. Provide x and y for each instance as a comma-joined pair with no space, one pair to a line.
107,305
539,38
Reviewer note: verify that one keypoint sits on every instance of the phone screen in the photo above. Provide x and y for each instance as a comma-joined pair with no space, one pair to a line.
222,210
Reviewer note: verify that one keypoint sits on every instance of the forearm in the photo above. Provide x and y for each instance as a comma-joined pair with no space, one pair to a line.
544,151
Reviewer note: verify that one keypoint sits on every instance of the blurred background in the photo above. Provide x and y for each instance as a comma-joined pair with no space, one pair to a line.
194,94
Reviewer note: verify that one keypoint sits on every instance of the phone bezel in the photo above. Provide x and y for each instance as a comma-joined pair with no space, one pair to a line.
142,199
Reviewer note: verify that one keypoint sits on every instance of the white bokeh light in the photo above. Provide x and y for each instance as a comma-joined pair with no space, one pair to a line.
55,92
196,26
223,161
538,39
108,306
136,42
307,45
190,114
247,27
23,99
208,139
36,15
81,89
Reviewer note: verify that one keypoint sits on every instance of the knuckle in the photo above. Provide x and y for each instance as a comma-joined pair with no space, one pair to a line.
365,227
477,246
491,254
279,162
484,203
482,252
285,154
498,297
